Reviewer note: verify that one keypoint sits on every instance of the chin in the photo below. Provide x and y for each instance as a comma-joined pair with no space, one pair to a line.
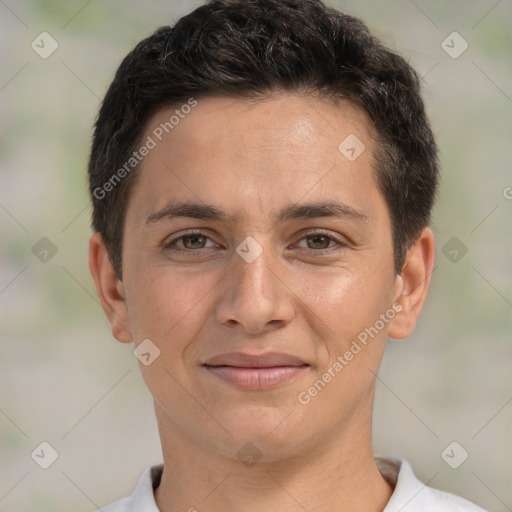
271,429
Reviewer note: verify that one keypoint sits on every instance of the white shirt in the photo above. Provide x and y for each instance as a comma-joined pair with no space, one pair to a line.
410,495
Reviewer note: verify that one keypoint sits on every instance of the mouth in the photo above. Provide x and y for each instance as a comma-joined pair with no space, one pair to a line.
263,371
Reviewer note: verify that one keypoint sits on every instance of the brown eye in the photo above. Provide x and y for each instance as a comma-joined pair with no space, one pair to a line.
190,244
194,241
318,241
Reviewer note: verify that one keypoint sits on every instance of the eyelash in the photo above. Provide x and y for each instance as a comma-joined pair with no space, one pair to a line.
197,252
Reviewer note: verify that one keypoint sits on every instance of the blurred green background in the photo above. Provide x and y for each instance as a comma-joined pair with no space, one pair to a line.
66,381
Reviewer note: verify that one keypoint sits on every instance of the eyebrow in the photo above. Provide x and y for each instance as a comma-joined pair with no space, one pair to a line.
202,211
188,209
314,210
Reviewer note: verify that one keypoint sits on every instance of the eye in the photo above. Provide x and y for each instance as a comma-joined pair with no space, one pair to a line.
193,241
320,242
190,242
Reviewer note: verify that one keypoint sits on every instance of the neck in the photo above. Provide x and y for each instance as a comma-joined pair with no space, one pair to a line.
338,475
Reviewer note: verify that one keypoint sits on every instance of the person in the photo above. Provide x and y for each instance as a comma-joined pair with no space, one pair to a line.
262,177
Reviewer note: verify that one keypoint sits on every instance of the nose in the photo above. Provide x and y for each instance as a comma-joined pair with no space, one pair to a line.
255,297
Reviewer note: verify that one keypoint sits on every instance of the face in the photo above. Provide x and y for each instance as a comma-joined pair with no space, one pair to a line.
258,259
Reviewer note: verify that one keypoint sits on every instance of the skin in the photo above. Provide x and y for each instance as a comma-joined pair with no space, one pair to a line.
252,159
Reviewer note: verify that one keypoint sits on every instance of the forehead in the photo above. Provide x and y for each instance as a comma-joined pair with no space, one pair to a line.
282,121
248,152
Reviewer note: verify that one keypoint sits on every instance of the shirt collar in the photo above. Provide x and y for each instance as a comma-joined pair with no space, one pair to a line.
408,490
143,497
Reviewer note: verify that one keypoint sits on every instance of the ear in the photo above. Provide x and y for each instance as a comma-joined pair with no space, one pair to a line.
412,285
109,288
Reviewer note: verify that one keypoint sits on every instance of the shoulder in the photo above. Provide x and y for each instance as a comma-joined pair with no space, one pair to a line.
411,495
445,501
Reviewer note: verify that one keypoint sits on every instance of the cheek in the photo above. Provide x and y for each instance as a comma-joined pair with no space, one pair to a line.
166,305
348,302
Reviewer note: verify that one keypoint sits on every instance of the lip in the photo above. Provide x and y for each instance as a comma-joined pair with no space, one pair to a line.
244,360
258,371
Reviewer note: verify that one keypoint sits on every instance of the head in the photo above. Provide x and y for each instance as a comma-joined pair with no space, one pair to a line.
287,122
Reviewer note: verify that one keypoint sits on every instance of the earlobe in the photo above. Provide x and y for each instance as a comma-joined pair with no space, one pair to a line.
109,288
412,285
